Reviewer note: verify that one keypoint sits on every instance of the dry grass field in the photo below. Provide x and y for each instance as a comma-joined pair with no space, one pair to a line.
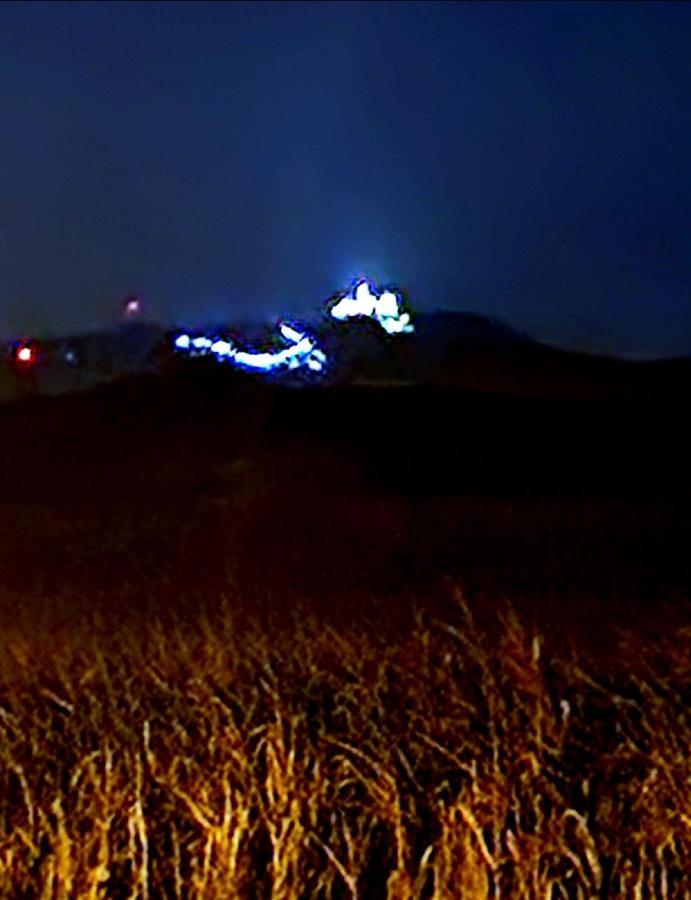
342,645
207,758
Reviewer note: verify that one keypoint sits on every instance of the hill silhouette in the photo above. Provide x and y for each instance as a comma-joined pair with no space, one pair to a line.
455,349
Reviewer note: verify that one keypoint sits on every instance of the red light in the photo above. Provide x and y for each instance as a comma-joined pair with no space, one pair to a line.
25,354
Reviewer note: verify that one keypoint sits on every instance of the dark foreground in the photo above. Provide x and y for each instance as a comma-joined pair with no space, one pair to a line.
156,491
346,642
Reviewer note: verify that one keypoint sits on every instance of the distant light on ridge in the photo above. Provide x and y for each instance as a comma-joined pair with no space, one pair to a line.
385,309
302,350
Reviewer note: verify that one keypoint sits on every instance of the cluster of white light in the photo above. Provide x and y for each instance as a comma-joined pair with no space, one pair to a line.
384,309
301,351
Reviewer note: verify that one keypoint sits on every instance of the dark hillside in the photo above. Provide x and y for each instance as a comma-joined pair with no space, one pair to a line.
174,485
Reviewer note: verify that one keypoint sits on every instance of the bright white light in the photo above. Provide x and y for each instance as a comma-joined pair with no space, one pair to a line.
302,351
302,347
263,361
290,333
361,303
365,299
385,309
400,325
387,305
340,310
24,354
391,326
222,348
347,308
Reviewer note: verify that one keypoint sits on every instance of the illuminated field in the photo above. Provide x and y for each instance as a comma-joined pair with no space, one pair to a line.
194,759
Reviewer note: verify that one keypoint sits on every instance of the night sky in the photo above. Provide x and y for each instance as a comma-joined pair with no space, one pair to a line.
530,162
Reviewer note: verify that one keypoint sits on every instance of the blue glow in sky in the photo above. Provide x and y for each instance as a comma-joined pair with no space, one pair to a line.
530,161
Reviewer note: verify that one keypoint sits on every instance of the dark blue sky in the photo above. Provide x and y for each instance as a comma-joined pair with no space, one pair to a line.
532,162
